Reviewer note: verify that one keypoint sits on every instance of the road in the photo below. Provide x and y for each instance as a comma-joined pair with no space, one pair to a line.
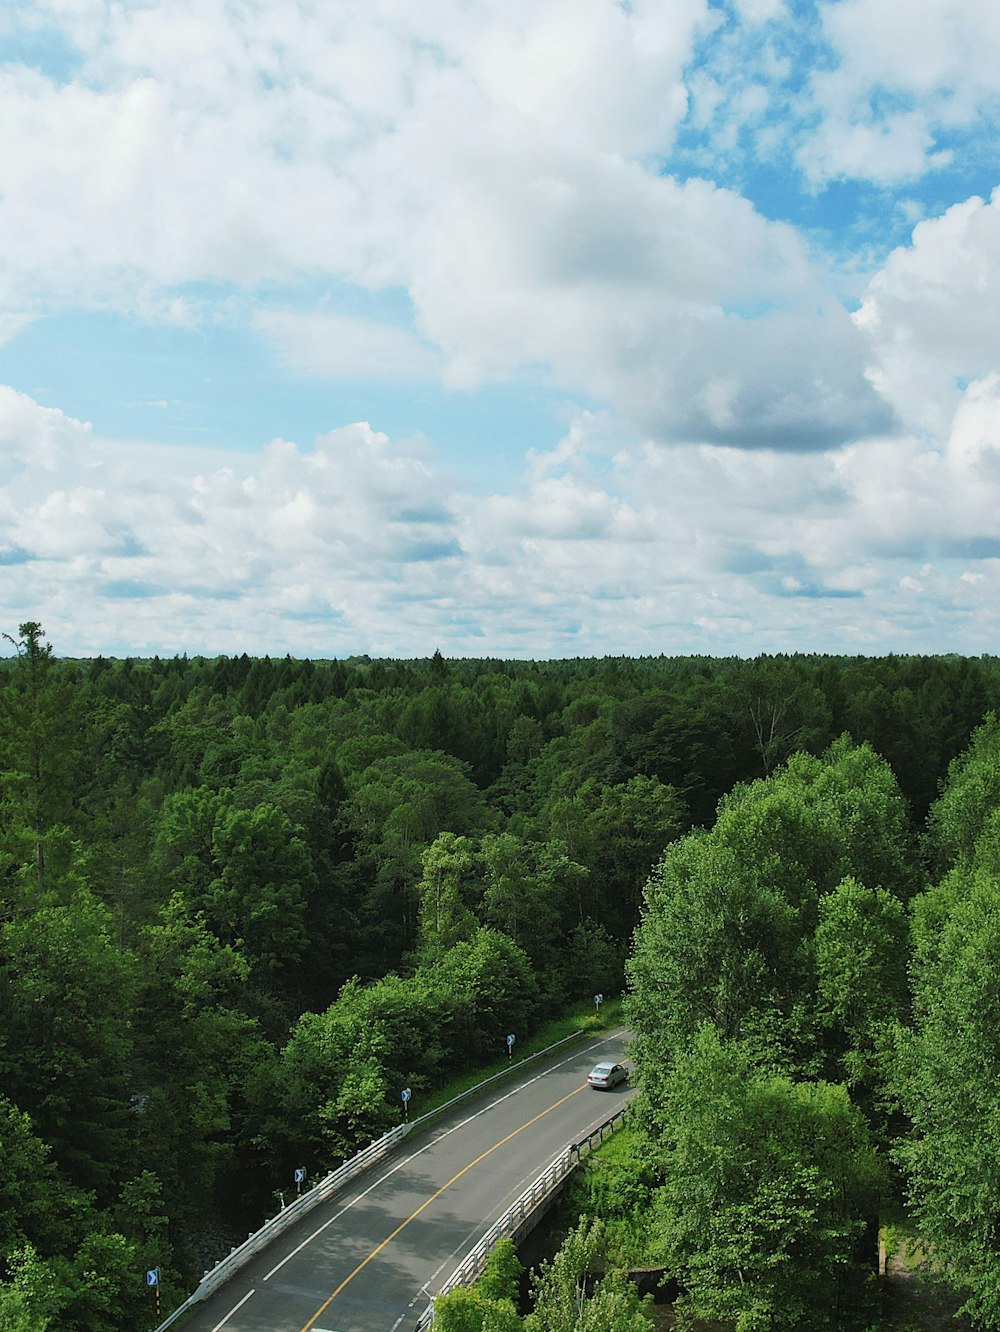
367,1260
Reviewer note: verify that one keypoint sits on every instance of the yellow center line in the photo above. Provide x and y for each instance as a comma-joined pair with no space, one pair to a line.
413,1215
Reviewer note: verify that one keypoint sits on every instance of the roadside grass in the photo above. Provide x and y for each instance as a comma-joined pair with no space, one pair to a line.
582,1020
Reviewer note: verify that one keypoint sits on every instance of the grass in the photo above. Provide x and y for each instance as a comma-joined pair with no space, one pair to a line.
912,1300
582,1021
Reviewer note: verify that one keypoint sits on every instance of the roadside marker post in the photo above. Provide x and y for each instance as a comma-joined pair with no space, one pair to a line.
153,1281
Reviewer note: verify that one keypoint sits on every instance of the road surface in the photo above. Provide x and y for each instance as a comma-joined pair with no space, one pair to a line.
369,1258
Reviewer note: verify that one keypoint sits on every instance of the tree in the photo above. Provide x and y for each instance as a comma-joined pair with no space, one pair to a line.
66,993
38,726
862,950
561,1289
770,1195
487,989
16,1316
948,1070
464,1310
491,1304
397,807
970,796
196,1051
445,887
715,944
36,1204
264,880
618,833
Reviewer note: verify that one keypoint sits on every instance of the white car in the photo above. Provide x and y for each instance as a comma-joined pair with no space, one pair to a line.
607,1076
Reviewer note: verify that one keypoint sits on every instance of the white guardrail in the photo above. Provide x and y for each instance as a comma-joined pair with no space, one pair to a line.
515,1217
329,1185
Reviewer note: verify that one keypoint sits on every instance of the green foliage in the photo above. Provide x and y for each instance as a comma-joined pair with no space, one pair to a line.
715,945
972,795
489,988
948,1071
501,1275
40,747
196,854
445,887
491,1305
563,1293
731,915
36,1205
196,1051
862,952
464,1310
15,1314
617,1183
395,1033
769,1189
67,991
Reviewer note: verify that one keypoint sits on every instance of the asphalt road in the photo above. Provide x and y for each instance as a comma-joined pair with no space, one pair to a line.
367,1260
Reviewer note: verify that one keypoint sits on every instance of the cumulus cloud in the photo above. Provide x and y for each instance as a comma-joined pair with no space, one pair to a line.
929,314
551,189
903,72
504,167
605,544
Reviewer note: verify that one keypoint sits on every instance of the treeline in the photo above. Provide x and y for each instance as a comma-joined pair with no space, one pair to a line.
815,994
222,881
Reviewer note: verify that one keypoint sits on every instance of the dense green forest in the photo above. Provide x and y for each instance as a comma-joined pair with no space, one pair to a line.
220,877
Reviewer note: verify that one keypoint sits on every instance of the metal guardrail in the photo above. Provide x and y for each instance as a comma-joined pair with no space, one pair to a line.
521,1211
272,1228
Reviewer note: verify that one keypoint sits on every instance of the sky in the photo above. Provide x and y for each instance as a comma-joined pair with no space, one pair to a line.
507,328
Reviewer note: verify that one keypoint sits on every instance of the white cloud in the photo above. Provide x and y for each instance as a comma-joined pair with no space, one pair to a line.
929,314
335,346
889,150
505,172
902,72
504,167
359,544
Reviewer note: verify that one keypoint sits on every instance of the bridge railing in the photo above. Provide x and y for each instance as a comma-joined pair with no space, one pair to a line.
521,1212
272,1228
330,1183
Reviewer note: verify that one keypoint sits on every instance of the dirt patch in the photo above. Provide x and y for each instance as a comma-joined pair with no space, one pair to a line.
912,1301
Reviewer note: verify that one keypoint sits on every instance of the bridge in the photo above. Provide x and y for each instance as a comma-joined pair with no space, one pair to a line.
370,1257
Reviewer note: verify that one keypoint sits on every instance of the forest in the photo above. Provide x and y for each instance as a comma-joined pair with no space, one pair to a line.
219,877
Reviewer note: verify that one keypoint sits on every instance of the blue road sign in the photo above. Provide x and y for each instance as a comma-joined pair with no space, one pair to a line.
300,1175
153,1277
510,1039
405,1093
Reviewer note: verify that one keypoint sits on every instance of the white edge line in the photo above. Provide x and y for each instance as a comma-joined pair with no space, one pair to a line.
234,1309
426,1147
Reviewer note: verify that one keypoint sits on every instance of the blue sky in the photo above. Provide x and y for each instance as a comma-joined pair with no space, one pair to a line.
544,327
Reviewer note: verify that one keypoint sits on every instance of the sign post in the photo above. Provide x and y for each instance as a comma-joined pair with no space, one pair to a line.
598,1000
153,1281
405,1094
510,1047
300,1174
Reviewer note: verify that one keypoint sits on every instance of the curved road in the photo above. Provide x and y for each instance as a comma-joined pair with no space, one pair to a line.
368,1259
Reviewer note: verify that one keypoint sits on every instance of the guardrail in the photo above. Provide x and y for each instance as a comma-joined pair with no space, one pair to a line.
272,1228
521,1211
